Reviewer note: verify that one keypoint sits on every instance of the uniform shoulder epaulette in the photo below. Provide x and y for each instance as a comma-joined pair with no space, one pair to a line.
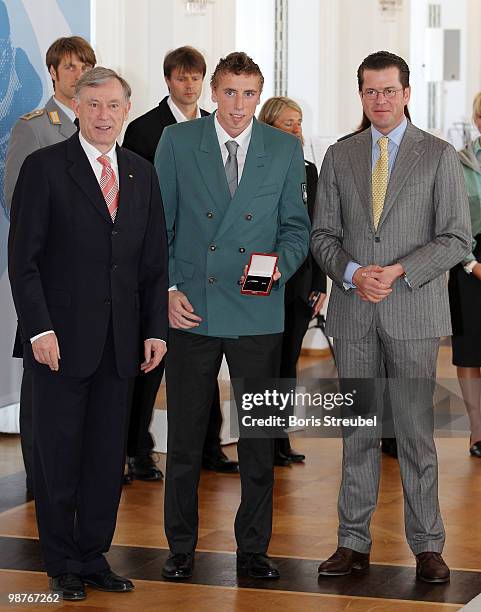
35,113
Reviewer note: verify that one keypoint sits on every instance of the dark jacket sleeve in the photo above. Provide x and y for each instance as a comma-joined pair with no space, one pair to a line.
153,270
318,276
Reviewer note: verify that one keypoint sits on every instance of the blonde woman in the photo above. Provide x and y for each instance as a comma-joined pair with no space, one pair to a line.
465,294
306,290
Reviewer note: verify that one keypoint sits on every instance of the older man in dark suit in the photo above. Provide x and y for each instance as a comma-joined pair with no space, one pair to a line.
87,266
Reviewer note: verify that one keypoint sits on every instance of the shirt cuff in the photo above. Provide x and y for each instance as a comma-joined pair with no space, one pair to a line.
50,331
156,339
351,267
173,288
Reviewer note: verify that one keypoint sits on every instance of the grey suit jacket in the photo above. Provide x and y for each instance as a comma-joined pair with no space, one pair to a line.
425,226
31,132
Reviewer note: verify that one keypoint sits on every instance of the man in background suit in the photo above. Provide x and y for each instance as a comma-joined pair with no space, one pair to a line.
184,71
88,270
67,59
242,193
391,218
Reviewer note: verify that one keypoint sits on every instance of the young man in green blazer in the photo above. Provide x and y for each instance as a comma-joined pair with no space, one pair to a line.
231,187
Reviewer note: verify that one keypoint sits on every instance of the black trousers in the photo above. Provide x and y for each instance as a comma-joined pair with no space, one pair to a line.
26,433
140,440
193,363
80,427
296,321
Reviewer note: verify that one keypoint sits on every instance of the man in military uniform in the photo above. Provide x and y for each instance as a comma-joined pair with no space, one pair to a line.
67,59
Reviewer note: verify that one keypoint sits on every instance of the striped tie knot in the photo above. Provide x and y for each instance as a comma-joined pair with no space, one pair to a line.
109,186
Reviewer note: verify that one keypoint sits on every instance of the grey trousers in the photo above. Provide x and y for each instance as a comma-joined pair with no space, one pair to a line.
410,367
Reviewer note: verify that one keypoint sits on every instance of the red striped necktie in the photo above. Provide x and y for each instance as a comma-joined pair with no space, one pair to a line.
109,186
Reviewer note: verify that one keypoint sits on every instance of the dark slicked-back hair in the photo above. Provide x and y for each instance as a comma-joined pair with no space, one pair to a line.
381,60
67,46
186,59
236,63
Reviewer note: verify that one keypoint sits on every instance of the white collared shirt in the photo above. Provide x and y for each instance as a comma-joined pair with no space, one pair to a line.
243,140
66,109
178,114
92,153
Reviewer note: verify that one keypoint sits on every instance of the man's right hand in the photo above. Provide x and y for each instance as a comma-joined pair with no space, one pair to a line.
46,351
370,289
181,313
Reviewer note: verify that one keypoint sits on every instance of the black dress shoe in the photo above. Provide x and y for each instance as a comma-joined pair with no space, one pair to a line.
475,449
68,586
294,456
128,480
106,580
143,467
389,447
217,461
256,565
178,566
281,459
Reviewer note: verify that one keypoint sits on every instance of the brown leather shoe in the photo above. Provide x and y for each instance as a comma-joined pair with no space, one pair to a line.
430,567
343,561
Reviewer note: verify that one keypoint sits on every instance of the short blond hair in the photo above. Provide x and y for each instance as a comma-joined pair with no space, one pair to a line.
273,107
477,105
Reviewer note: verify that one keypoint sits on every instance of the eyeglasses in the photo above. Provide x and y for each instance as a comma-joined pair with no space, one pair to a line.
387,92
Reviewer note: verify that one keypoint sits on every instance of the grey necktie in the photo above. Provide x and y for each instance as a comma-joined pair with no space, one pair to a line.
231,170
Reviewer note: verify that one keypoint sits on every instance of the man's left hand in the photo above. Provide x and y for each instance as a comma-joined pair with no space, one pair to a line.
316,308
154,350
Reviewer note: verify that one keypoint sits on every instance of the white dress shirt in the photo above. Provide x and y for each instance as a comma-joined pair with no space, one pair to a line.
178,114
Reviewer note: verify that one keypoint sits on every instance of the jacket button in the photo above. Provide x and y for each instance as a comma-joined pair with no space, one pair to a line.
212,279
242,250
107,301
248,217
209,215
114,232
114,267
377,239
212,247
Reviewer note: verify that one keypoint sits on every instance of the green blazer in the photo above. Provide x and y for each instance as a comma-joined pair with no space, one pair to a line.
211,236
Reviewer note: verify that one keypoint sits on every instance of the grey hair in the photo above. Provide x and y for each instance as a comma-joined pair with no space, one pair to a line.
98,76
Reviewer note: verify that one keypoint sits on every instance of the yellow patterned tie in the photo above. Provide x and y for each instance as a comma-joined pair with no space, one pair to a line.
380,177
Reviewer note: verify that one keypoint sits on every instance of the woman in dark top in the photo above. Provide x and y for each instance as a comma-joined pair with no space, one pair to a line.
306,290
465,294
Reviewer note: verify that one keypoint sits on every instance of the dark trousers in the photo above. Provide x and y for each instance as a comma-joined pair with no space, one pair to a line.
140,440
26,434
296,321
80,427
193,363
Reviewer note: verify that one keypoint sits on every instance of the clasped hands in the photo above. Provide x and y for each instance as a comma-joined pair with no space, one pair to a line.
374,283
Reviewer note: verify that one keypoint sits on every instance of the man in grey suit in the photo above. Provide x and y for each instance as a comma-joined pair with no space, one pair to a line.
66,59
391,218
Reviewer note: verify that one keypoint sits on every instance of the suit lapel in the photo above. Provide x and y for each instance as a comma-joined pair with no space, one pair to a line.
410,151
360,154
82,173
255,167
126,180
209,160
